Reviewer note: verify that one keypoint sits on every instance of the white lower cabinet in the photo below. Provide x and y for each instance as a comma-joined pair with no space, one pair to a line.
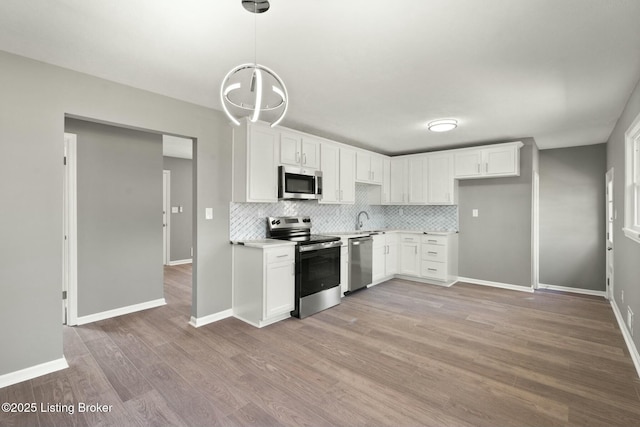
344,267
409,254
439,257
385,257
263,283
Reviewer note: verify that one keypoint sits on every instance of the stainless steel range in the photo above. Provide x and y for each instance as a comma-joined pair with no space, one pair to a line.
317,264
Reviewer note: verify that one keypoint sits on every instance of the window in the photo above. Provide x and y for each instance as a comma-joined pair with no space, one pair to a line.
632,182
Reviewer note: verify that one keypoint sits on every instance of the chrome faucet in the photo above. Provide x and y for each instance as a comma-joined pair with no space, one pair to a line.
358,221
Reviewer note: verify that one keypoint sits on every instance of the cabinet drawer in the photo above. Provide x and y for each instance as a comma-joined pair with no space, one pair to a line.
434,253
434,270
280,254
434,240
410,238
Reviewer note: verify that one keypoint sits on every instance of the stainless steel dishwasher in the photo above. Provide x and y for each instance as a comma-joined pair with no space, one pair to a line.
360,262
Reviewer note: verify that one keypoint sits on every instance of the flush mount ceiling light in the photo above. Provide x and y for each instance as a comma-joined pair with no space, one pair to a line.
443,125
253,90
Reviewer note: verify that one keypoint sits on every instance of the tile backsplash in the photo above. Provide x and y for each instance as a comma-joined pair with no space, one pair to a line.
248,220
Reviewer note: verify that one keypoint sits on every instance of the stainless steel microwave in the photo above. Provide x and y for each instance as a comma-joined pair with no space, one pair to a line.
299,184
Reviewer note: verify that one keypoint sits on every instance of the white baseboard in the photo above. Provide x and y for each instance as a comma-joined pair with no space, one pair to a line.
196,322
82,320
495,284
264,323
446,284
33,372
633,350
180,262
572,290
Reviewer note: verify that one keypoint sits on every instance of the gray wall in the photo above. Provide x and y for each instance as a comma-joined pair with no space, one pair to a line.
119,216
181,195
35,99
572,217
626,251
496,245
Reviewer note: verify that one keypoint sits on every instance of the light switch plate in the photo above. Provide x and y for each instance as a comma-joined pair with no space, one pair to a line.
174,209
208,213
474,213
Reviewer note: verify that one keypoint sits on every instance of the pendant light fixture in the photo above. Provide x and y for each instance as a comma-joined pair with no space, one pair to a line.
253,90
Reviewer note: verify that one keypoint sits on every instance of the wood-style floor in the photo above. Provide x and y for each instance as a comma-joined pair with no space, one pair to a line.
398,354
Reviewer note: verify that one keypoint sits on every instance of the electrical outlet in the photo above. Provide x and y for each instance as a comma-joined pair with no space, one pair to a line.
622,295
630,320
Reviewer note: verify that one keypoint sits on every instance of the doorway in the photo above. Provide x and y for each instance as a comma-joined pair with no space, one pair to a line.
609,232
127,252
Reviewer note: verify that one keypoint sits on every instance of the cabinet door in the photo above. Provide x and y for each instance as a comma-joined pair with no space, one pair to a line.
279,289
290,146
379,249
398,181
391,260
385,191
500,161
467,163
417,180
409,259
440,185
262,170
363,166
347,176
376,169
310,153
330,161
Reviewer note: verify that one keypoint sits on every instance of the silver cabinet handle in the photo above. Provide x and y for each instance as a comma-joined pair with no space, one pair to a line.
478,165
432,241
415,250
297,157
432,269
337,195
341,195
304,158
282,256
486,167
433,253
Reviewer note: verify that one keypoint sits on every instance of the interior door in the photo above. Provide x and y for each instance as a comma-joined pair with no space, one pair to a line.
609,236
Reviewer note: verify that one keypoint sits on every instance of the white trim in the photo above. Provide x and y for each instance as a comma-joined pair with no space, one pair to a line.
631,138
495,284
582,291
82,320
181,261
33,372
446,284
535,230
632,234
196,322
166,186
70,228
633,350
263,323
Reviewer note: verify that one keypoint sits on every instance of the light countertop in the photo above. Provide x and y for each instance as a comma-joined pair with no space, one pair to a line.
263,243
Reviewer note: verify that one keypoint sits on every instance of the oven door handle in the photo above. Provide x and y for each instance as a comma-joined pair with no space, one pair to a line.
318,246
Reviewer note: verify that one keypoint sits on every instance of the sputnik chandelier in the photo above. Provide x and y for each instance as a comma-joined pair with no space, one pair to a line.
253,90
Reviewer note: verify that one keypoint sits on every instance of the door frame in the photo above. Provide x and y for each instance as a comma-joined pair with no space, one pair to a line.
609,246
535,232
70,231
166,220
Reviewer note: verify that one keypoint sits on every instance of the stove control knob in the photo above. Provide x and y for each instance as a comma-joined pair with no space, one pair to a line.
273,222
278,222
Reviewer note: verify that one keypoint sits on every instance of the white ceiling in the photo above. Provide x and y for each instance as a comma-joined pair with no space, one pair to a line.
367,72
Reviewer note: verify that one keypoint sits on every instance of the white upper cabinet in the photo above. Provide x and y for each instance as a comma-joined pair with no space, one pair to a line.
255,177
489,161
369,167
385,191
440,183
398,180
299,150
417,180
347,175
338,174
330,166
